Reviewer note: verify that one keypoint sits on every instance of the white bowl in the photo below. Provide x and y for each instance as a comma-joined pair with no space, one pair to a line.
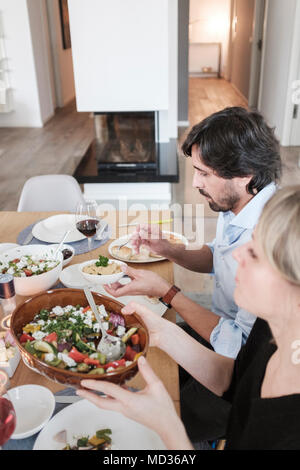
4,247
36,283
34,406
101,279
65,247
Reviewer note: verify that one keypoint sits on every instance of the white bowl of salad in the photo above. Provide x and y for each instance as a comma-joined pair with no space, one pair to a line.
35,268
102,270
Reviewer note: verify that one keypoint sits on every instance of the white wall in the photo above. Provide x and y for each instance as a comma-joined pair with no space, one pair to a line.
209,22
125,57
62,58
120,54
242,46
25,43
278,58
37,12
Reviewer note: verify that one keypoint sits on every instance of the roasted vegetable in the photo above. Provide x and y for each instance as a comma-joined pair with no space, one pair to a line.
129,333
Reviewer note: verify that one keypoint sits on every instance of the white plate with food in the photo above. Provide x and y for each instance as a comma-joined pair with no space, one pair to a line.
82,420
126,253
52,229
71,277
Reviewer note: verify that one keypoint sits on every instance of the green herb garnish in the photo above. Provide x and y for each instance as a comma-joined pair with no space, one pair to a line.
82,442
103,261
104,434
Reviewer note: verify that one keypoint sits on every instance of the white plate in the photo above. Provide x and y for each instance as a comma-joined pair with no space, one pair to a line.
34,406
84,419
52,229
4,247
121,240
71,277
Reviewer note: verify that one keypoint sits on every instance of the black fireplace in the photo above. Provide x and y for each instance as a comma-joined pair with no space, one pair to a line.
125,141
126,147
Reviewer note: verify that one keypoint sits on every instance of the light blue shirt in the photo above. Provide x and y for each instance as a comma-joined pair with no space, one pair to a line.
233,230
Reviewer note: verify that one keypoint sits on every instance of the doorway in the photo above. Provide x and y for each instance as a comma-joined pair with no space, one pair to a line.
225,41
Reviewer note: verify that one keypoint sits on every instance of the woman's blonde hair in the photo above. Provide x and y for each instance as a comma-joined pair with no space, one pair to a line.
278,232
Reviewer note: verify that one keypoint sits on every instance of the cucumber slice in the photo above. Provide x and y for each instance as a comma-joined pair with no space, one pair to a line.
43,346
97,371
29,348
82,367
54,363
84,347
98,355
129,333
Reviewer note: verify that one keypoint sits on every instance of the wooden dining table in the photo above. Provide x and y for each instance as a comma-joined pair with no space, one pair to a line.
12,223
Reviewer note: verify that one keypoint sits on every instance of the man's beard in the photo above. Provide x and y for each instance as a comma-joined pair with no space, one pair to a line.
228,202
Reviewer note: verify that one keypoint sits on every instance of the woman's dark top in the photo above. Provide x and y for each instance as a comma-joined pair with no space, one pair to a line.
254,422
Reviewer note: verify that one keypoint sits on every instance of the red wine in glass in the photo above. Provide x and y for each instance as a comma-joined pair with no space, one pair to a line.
7,420
86,220
88,227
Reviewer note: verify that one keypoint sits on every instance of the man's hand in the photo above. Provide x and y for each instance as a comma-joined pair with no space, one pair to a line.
143,283
152,237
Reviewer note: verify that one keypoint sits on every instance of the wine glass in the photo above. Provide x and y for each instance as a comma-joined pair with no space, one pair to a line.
87,221
7,420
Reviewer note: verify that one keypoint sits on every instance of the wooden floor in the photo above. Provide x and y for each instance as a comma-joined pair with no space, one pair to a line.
55,148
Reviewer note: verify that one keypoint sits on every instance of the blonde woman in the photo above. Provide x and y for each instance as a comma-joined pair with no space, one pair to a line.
263,383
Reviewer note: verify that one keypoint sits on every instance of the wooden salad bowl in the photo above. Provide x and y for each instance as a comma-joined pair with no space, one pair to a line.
26,311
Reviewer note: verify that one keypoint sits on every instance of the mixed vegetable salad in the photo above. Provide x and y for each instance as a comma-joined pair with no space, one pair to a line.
27,265
67,338
100,441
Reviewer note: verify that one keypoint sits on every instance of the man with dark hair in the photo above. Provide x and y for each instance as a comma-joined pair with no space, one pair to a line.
235,142
237,165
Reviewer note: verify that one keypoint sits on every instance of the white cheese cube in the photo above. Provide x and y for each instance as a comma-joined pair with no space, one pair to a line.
38,335
67,360
121,330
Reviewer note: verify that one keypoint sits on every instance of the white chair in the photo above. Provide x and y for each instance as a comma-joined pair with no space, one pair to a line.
50,193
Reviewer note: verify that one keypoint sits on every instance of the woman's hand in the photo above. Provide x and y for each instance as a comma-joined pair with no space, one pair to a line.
157,327
152,406
143,283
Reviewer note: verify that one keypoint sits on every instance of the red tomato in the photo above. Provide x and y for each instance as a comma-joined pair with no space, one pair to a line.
50,338
77,355
129,353
28,272
92,362
24,338
115,364
135,339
